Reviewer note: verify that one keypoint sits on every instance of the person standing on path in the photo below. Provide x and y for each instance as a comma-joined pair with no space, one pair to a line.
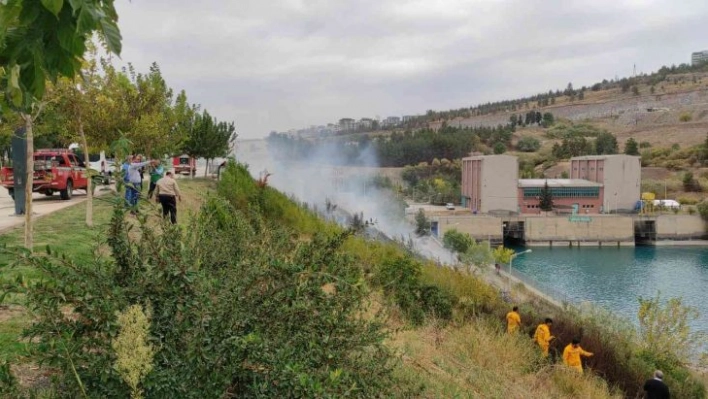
513,320
656,388
134,183
167,192
543,336
156,173
572,353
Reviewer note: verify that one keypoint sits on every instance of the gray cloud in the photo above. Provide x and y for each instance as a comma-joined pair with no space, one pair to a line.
290,63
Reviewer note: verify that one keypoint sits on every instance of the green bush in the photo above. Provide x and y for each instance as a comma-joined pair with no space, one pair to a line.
238,308
528,144
457,241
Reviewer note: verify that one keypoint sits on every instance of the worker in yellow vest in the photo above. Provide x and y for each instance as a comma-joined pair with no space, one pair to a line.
572,353
543,336
513,320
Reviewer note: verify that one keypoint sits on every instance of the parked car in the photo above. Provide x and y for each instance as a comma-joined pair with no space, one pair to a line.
55,170
450,206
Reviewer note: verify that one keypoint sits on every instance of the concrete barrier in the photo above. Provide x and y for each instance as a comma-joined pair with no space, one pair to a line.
593,231
680,227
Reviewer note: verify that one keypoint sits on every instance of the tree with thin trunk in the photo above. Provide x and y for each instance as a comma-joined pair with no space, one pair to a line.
40,41
545,201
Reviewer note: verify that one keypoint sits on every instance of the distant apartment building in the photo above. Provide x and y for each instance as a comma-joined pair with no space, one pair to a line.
489,183
699,57
391,121
347,124
620,176
365,123
407,118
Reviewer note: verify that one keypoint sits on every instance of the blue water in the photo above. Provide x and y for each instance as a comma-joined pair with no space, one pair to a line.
614,278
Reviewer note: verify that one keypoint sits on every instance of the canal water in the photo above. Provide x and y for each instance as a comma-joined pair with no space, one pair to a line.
614,278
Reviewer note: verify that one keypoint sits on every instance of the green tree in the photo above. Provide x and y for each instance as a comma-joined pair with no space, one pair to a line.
631,147
546,198
635,90
457,241
548,119
665,329
422,224
40,41
528,144
499,148
606,143
502,254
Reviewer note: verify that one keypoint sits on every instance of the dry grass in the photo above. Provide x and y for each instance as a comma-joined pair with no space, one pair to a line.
478,360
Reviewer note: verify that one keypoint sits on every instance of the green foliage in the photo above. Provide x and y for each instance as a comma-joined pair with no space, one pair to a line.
41,41
457,241
546,198
209,138
401,280
689,183
665,330
422,224
477,254
499,148
685,117
606,143
262,315
631,147
528,144
548,120
134,354
502,254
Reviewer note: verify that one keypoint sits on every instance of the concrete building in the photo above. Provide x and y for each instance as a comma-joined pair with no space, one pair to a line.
620,176
490,183
571,196
699,57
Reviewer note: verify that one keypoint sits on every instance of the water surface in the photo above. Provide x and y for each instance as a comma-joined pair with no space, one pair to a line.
614,278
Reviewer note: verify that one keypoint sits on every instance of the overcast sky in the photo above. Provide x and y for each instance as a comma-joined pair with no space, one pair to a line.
281,64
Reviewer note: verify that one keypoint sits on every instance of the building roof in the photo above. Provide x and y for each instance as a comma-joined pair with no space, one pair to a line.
593,157
499,156
557,183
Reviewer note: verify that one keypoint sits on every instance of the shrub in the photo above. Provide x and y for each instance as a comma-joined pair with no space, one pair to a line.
687,201
400,279
528,144
702,209
685,117
499,148
239,307
457,241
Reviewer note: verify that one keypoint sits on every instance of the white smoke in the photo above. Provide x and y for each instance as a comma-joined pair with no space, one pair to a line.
319,179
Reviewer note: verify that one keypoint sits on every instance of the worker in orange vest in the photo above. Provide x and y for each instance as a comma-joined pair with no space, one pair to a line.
543,336
513,320
572,353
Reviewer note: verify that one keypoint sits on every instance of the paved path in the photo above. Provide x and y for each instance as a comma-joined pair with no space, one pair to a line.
41,206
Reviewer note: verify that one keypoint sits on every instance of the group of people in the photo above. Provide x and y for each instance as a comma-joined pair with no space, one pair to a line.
162,185
655,387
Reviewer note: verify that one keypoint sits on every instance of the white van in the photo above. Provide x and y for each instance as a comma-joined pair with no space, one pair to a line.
669,204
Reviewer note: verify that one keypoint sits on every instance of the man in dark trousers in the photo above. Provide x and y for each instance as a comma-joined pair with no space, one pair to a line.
167,192
655,387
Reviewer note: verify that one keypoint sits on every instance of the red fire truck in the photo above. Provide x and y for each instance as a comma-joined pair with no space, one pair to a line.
184,165
55,170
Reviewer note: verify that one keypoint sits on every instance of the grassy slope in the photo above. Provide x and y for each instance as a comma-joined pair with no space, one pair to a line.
65,232
463,359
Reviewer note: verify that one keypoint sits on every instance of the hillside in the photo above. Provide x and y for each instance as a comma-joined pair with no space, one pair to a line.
257,296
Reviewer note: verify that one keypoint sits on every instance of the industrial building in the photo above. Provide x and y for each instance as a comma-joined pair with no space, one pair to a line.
699,57
597,184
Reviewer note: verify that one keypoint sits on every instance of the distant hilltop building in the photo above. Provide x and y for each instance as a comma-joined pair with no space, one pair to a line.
699,57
